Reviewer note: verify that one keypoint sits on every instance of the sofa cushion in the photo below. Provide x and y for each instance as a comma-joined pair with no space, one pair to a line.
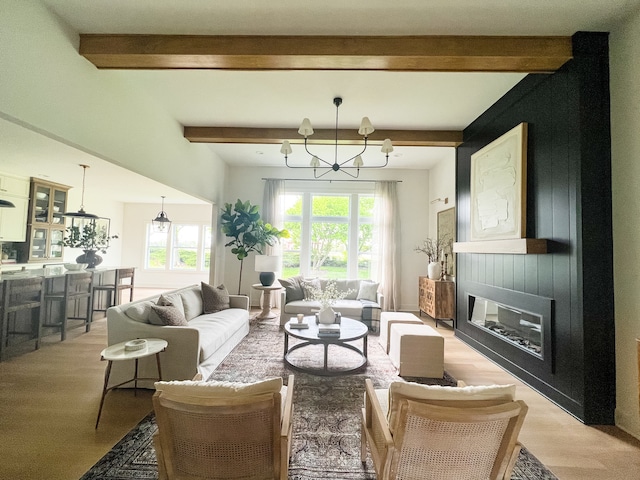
215,299
350,287
309,286
218,389
348,308
192,302
216,328
368,291
171,299
167,315
293,288
139,311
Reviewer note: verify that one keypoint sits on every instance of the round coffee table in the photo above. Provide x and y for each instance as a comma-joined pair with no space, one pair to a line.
349,330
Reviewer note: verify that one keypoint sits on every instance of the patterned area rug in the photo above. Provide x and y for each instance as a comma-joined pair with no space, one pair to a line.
326,428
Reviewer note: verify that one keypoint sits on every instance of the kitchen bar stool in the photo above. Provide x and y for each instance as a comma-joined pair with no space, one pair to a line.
124,280
22,312
75,302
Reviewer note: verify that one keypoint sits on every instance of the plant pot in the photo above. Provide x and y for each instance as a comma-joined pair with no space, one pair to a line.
90,257
434,270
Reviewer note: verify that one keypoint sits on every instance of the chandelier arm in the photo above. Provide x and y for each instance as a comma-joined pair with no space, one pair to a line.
313,155
353,158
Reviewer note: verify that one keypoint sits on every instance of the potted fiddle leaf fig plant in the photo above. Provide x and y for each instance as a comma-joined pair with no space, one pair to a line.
241,222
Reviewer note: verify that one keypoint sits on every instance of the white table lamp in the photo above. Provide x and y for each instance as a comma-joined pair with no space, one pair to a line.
267,265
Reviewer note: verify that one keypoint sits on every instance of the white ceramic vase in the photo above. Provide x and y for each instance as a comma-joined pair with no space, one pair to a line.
434,270
327,316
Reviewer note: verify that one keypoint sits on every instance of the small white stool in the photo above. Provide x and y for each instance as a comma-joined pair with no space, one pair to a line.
416,350
389,318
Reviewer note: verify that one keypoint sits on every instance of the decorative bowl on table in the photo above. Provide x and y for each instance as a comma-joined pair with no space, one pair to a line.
134,345
74,267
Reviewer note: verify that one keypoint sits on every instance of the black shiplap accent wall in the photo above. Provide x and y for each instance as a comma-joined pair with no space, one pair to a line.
568,203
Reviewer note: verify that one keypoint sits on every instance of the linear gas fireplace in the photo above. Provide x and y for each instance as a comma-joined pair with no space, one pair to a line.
515,325
521,328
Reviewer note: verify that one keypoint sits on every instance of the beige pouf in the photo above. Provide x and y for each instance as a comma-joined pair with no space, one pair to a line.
389,318
416,350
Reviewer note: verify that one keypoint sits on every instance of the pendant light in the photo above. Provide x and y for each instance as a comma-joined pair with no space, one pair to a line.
81,213
161,223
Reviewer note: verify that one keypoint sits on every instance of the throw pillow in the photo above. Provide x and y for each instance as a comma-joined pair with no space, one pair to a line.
368,291
214,299
171,299
308,285
293,288
167,315
139,311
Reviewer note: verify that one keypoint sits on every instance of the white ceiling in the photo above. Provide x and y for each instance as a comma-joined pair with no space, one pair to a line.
421,101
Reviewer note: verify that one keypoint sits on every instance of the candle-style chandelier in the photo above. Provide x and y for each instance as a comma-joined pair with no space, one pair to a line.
319,163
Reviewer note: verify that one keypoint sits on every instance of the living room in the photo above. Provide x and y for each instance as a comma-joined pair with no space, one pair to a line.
217,182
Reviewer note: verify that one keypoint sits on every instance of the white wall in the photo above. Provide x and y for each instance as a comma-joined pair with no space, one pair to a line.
136,218
46,86
413,195
625,125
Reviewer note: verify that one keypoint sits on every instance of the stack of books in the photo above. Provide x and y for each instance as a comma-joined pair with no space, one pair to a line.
294,323
330,330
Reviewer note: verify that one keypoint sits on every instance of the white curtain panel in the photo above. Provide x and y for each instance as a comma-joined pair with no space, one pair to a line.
273,213
386,231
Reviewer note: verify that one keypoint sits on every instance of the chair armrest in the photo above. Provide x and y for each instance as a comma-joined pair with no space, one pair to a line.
287,411
286,430
375,428
239,301
283,298
381,301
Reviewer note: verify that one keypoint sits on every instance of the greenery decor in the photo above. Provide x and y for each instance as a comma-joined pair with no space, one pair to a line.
329,295
249,234
87,237
434,249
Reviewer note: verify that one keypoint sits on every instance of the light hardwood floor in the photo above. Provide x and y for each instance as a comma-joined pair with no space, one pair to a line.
49,400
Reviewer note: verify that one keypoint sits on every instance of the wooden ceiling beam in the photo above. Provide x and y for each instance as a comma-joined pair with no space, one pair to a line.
391,53
410,138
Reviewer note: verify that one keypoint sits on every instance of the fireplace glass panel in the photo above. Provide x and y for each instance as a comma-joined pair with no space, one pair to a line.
521,328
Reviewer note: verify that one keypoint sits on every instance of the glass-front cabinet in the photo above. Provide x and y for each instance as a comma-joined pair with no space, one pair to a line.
45,230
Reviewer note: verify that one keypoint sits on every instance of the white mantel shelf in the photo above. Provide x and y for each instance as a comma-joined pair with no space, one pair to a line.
518,246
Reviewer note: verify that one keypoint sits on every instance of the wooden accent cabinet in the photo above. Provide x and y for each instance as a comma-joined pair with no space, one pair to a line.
436,298
45,228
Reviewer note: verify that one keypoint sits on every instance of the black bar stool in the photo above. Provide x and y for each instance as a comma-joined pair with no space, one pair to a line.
78,286
124,280
19,296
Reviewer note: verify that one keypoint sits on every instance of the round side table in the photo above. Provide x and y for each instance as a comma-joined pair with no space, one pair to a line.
266,301
117,352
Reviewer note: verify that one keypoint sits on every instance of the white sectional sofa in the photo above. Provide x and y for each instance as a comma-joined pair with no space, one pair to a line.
363,294
198,347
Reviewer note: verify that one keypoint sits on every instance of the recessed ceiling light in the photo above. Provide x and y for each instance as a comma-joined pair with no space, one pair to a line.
258,152
397,155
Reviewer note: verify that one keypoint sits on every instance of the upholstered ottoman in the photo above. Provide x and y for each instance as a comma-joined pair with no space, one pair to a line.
389,318
416,350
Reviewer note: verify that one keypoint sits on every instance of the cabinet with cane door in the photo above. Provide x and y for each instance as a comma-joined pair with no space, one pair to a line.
436,298
45,228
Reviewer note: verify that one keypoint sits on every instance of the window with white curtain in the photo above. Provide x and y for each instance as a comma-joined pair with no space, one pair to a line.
331,231
186,247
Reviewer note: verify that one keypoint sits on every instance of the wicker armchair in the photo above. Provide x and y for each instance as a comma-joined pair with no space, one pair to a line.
441,433
219,430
